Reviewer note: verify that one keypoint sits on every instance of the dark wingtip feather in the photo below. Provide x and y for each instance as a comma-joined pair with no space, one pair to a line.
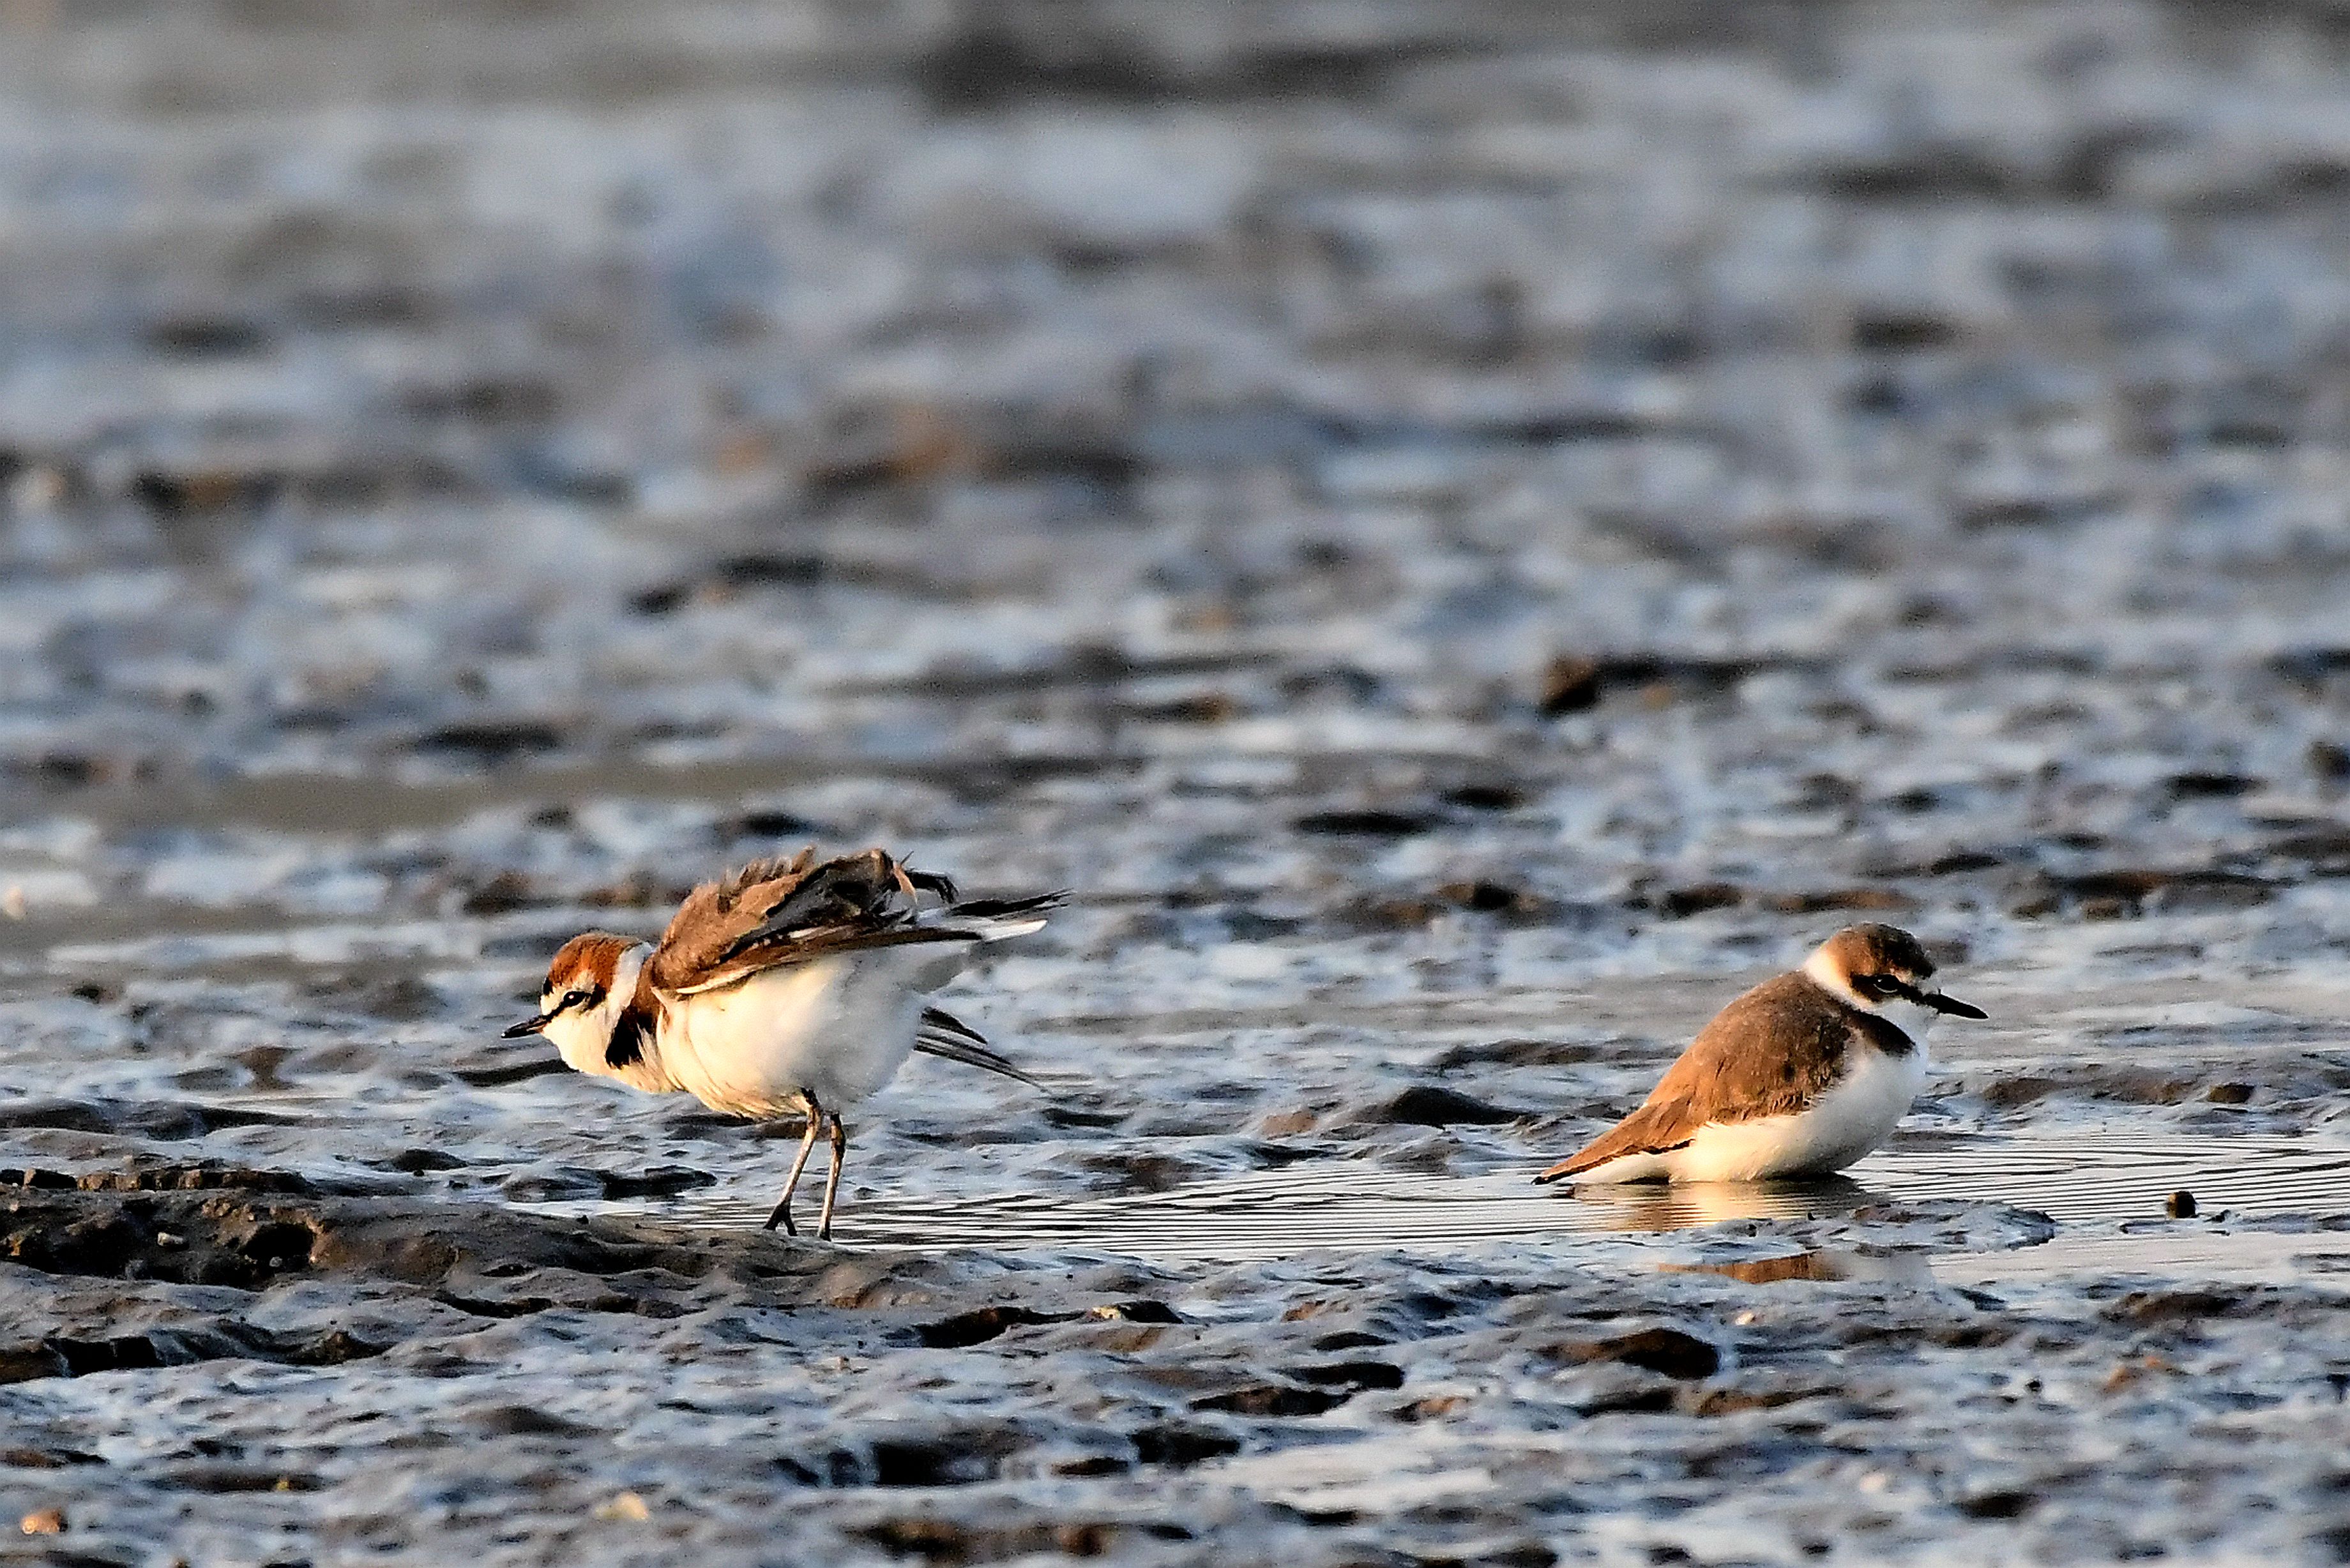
983,908
931,882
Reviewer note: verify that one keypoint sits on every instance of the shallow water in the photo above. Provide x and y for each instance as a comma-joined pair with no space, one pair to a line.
1463,536
2084,1181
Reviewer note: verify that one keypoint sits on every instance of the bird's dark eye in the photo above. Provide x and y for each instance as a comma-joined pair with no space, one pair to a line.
575,999
1877,985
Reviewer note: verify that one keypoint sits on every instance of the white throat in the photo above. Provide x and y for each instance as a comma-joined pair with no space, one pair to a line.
1910,1019
584,1035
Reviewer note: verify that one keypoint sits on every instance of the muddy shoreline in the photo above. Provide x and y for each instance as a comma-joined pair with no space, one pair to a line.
1465,535
386,1374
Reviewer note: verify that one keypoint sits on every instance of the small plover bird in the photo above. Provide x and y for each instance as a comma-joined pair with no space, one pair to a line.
1800,1076
790,987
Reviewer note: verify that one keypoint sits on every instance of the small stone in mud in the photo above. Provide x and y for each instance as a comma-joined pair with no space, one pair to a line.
2212,785
1813,903
2004,1504
44,1522
1683,902
491,741
1366,824
1489,897
1180,1445
1570,685
1354,1374
2180,1205
1486,797
1275,1400
2229,1094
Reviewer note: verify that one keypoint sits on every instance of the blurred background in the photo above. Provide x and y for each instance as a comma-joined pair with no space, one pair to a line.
1390,501
1463,531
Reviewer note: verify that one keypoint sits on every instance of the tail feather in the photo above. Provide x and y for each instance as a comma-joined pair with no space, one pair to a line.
939,1022
1651,1129
944,1036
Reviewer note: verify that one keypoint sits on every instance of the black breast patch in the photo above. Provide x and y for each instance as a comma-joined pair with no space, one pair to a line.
1882,1034
628,1040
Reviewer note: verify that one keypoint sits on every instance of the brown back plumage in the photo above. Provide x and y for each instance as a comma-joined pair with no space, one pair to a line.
1771,1052
776,911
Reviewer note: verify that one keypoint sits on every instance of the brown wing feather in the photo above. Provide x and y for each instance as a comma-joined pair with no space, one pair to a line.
1716,1080
761,877
717,913
776,912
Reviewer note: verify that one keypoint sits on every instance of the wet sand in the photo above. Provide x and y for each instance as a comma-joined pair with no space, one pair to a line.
1464,535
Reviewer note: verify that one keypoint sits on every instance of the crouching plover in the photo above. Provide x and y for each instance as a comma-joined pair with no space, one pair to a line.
787,987
1800,1076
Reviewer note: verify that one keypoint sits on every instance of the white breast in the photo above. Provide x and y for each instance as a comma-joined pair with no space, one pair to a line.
838,1028
1838,1128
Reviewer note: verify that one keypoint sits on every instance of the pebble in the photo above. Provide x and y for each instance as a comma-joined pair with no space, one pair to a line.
626,1506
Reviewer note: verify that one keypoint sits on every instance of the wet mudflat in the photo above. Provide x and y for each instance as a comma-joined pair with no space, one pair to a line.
1464,535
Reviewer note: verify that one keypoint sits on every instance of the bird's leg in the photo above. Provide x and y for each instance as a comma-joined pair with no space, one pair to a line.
783,1214
832,1179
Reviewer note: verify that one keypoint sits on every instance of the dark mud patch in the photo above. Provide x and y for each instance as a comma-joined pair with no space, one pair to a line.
168,1120
221,1235
61,1356
1674,1353
1434,1106
982,1325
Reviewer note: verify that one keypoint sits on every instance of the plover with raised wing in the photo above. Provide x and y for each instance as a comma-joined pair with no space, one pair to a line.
1800,1076
790,987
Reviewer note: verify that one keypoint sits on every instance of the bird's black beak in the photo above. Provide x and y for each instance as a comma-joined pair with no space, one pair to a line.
1951,1005
533,1025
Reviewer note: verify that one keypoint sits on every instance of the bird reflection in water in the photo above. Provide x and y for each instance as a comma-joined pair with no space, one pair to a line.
1822,1264
1656,1206
1684,1205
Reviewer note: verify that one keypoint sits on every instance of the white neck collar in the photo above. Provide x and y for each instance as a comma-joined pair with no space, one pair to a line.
1825,975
